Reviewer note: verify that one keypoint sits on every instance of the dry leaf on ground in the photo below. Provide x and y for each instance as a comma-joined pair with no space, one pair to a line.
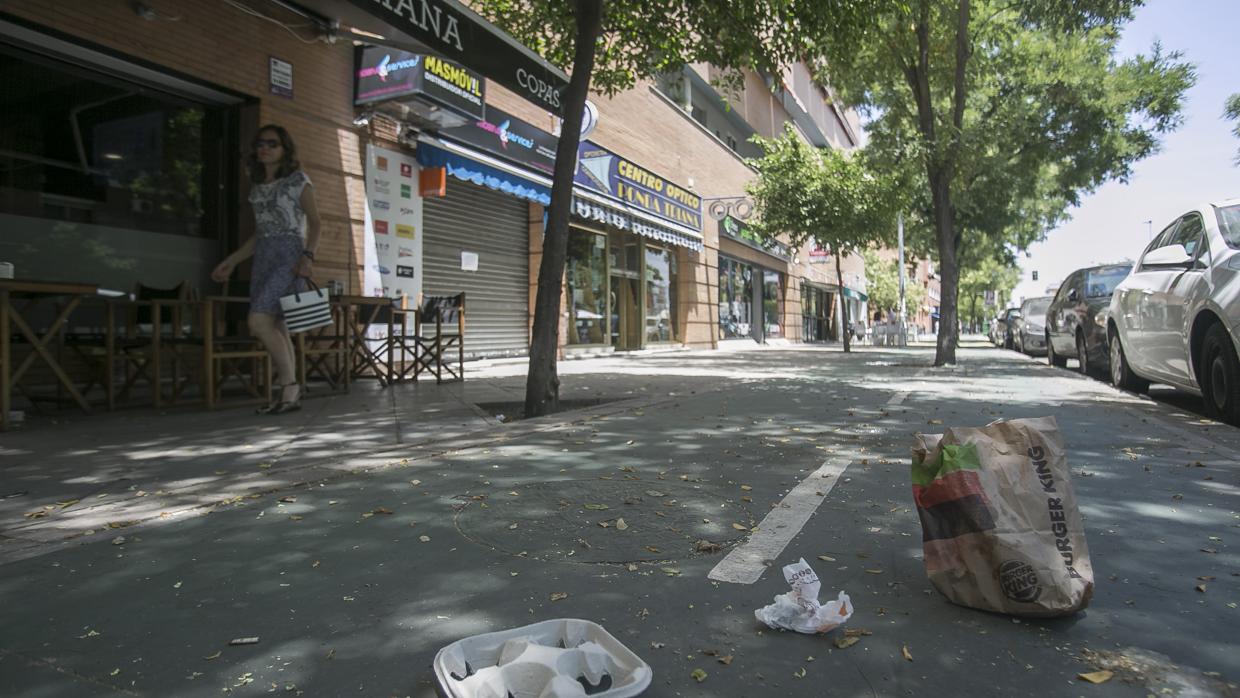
1097,676
845,642
907,655
559,595
698,675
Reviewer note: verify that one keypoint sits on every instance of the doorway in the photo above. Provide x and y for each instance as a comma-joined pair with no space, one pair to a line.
626,328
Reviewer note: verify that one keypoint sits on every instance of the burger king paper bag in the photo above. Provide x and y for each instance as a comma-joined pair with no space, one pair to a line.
999,522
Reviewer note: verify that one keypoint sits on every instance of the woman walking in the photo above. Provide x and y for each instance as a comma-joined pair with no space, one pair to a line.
286,236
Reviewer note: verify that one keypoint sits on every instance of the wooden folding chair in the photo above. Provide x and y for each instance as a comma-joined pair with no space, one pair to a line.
434,340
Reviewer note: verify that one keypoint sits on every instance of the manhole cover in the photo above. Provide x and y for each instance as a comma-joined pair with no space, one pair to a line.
580,520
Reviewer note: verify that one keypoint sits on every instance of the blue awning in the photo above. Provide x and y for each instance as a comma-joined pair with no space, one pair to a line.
471,170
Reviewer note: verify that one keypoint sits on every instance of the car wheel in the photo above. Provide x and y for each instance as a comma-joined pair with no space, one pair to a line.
1082,356
1220,376
1122,376
1052,358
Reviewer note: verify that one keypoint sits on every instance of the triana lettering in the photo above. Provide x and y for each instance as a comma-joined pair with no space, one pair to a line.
429,18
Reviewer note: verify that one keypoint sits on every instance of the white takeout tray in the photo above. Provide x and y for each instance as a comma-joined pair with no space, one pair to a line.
543,660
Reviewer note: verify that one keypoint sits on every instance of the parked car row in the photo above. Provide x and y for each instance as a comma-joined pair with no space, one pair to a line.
1173,317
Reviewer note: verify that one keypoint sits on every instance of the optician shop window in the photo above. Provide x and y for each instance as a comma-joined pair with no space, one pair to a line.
660,294
587,287
107,180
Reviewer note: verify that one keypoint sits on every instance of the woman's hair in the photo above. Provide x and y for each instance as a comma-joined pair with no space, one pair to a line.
288,163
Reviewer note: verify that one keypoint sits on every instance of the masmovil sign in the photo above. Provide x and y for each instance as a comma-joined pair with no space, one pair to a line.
458,34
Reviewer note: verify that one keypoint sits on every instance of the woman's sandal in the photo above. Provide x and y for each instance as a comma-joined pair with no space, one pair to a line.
280,406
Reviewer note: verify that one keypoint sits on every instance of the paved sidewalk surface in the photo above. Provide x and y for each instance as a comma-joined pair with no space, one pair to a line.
358,536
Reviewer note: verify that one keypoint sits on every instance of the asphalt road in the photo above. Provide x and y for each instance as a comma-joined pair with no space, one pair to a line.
352,585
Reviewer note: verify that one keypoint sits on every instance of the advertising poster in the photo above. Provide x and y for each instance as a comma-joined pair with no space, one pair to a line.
396,214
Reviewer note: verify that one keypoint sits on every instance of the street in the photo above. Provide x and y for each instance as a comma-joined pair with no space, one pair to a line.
354,546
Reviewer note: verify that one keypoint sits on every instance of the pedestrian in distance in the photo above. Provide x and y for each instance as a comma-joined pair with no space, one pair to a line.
285,239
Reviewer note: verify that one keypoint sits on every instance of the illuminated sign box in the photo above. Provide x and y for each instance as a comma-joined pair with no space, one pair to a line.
383,74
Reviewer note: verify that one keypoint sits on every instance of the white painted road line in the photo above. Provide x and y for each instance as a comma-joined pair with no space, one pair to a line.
746,563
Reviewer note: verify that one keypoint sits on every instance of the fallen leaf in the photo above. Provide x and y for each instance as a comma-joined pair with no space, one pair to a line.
907,655
747,488
726,659
559,595
596,507
827,558
705,546
739,527
671,571
631,567
746,499
1097,676
857,632
1201,588
655,493
621,525
874,571
119,540
288,500
424,539
512,527
209,657
653,549
845,642
381,510
295,517
935,421
800,674
415,483
114,672
698,675
264,466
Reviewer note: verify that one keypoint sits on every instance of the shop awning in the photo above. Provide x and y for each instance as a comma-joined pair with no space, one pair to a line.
856,295
480,168
472,166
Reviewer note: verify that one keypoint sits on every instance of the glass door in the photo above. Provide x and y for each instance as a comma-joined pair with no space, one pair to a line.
625,324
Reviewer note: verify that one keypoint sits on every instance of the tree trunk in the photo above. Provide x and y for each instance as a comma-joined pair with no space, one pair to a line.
542,384
839,276
949,270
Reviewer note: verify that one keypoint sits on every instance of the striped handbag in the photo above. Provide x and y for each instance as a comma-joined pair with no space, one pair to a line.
306,310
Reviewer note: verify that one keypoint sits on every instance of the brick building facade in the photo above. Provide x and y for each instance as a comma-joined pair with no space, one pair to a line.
147,71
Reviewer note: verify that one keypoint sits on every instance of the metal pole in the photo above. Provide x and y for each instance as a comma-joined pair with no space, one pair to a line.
900,233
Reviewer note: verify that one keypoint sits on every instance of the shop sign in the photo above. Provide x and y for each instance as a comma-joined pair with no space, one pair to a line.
503,134
603,171
384,74
598,169
392,266
819,254
453,31
736,229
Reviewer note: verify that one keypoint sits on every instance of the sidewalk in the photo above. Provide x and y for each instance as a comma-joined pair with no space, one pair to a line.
352,583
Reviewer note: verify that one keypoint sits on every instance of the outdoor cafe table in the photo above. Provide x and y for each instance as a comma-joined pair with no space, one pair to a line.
16,317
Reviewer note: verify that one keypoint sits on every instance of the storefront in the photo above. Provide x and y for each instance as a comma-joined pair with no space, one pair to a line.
752,283
631,230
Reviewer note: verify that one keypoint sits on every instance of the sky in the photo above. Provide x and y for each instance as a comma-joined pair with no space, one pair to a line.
1196,162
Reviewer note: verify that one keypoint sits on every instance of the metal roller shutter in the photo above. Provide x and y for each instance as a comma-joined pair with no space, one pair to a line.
496,227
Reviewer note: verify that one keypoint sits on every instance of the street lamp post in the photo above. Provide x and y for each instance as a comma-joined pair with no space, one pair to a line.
1149,229
900,236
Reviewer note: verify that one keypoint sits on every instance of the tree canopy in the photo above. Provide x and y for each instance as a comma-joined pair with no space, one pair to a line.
883,284
826,196
987,275
1003,115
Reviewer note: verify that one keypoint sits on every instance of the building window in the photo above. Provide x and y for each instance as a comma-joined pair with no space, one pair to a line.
699,114
587,287
660,295
116,181
731,142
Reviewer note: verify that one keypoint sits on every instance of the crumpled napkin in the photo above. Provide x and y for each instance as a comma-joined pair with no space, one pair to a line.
799,609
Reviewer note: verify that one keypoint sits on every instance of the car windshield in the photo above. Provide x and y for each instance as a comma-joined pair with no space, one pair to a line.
1229,224
1036,310
1100,283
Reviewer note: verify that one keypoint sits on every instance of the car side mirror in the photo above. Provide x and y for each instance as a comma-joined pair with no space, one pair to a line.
1073,296
1169,256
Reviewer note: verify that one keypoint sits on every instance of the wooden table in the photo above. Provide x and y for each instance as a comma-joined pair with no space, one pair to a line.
12,316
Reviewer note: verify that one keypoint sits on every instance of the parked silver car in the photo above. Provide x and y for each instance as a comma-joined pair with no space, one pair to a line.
1031,326
1176,318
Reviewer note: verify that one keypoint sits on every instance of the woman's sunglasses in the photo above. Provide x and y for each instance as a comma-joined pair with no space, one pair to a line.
266,143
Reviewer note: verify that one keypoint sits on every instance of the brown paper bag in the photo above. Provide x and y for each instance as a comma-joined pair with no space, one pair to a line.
1000,527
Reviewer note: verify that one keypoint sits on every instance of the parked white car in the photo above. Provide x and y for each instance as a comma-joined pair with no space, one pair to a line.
1176,318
